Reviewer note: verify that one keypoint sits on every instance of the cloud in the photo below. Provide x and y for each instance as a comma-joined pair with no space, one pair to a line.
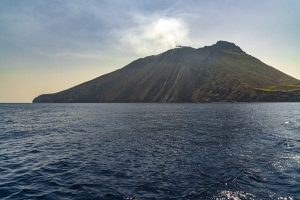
156,36
64,35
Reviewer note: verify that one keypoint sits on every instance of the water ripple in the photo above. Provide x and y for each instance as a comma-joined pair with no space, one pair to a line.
150,151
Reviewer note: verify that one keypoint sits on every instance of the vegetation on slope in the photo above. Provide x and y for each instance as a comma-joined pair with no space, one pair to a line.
221,72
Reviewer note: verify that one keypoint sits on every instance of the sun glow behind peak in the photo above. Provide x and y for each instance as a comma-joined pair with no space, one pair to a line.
156,36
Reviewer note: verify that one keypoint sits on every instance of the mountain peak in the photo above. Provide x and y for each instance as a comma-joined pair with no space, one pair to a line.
226,45
220,72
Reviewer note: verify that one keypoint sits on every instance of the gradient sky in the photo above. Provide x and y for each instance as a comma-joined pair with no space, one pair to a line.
47,46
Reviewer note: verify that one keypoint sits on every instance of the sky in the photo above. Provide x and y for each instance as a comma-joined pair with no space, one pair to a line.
48,46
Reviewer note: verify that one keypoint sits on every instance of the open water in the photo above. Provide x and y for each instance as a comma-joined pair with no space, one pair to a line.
150,151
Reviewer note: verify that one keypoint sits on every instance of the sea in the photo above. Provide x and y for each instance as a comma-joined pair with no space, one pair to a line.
150,151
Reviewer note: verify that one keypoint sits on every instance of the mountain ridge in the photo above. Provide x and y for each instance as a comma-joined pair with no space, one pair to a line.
220,72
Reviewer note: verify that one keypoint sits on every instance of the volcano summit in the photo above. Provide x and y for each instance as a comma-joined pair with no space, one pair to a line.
221,72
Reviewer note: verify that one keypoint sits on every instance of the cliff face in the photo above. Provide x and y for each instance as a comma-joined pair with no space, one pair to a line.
221,72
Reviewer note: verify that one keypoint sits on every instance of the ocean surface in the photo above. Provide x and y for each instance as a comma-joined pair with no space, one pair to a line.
150,151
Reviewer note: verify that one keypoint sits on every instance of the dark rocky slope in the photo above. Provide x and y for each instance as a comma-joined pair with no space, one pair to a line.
221,72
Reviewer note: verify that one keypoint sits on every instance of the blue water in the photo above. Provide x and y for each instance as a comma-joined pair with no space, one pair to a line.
150,151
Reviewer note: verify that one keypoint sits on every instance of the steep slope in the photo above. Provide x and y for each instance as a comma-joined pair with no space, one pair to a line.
221,72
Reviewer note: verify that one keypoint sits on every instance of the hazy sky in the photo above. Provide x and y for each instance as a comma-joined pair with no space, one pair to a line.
50,45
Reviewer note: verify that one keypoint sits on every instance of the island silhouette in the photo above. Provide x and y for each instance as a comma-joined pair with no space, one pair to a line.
222,72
